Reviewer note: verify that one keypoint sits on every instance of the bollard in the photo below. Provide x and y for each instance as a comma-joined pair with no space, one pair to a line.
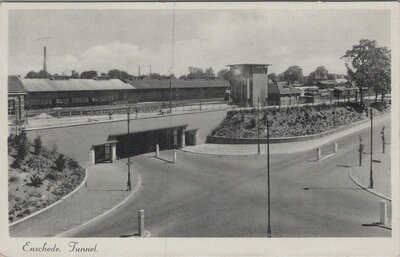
318,154
141,223
382,212
157,150
174,156
335,147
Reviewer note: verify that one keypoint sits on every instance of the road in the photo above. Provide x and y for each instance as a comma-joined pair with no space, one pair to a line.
225,196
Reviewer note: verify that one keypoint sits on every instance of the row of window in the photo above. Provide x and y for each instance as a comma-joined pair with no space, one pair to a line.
75,100
11,107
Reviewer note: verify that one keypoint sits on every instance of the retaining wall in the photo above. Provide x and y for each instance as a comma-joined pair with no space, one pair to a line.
75,141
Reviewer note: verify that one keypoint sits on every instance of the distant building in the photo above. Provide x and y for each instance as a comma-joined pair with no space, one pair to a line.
280,93
16,100
64,92
249,83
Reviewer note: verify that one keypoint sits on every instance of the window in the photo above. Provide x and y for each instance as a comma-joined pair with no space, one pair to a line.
62,101
40,101
11,107
79,100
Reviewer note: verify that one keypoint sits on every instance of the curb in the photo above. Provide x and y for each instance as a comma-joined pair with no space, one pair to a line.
367,188
53,204
218,154
75,229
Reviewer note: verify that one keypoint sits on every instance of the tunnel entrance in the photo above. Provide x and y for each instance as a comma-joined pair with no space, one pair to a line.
145,141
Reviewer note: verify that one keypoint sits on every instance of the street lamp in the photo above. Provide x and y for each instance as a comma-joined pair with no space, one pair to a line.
383,139
371,179
268,180
258,127
129,187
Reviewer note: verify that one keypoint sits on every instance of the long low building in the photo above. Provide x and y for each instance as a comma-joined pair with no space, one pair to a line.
45,93
66,92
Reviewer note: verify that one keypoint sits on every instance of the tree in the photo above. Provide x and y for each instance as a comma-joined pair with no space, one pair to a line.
155,76
320,73
196,73
88,74
37,145
210,72
60,162
369,66
331,76
22,145
31,75
74,74
223,74
292,74
272,76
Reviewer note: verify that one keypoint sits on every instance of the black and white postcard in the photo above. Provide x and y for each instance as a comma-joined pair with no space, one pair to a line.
199,129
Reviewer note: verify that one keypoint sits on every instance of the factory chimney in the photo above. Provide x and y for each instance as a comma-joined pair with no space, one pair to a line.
44,60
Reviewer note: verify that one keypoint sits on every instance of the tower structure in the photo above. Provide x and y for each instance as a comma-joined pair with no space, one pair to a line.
249,83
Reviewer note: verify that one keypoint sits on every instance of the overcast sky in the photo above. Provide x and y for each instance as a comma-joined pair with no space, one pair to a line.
124,39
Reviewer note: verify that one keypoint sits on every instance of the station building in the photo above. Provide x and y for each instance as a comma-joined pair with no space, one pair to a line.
16,100
66,92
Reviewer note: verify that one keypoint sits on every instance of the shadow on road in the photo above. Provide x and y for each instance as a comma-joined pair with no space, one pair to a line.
331,188
377,224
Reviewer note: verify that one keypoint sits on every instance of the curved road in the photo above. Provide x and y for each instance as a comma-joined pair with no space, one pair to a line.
215,196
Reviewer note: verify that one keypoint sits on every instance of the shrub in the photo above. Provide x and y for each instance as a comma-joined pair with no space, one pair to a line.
73,164
60,162
37,144
22,145
36,181
12,179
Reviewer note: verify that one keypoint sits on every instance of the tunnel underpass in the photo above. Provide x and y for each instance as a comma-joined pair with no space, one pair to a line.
145,141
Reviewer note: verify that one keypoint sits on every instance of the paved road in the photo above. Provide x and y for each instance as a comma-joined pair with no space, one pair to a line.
212,196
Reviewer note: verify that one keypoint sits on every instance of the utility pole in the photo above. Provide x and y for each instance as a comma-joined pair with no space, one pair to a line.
269,234
258,126
129,188
383,139
360,151
371,179
170,94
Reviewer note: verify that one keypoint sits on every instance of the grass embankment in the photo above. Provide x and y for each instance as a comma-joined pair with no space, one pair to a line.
294,121
37,177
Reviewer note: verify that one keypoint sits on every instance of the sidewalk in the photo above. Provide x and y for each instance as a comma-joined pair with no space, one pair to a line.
381,173
105,188
280,148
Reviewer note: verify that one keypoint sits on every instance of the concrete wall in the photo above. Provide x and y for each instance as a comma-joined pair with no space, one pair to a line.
76,140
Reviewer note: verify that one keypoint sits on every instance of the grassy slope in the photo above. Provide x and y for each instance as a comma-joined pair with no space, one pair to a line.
294,121
25,198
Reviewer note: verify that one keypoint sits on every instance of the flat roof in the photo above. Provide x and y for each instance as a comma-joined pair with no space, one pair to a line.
48,85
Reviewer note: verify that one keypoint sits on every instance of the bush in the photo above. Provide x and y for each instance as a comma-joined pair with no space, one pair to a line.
12,179
22,145
36,181
60,162
37,144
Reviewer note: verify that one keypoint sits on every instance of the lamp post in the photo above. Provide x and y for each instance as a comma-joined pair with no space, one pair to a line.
170,94
258,127
383,139
129,187
268,179
371,178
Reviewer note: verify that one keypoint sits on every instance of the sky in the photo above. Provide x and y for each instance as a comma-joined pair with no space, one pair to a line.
126,39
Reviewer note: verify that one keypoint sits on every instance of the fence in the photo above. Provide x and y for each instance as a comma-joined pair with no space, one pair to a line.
156,108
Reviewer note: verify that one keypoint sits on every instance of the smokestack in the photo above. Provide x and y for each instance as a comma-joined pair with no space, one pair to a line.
44,60
139,71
